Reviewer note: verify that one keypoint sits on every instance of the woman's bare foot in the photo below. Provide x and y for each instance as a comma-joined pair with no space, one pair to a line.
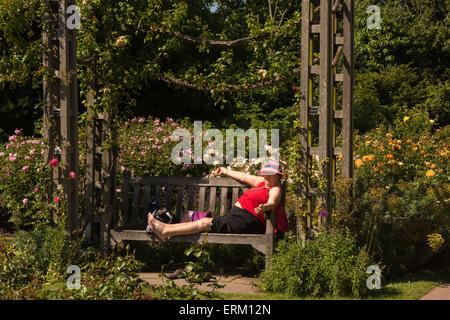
157,227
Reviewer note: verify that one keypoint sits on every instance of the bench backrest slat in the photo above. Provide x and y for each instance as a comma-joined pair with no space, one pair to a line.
169,203
201,199
235,195
212,198
176,194
136,196
146,203
191,191
180,193
158,190
223,200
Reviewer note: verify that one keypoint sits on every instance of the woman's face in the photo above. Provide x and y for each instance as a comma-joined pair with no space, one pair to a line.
272,179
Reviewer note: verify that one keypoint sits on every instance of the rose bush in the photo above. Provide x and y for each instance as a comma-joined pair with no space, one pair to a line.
24,178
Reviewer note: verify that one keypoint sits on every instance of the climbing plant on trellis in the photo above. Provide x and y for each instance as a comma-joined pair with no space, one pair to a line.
326,54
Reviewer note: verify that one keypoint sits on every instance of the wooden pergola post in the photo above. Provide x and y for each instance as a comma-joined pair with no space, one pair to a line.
334,42
61,105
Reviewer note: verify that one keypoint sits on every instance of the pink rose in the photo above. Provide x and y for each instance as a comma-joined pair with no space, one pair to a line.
25,201
72,175
36,189
25,168
54,162
57,199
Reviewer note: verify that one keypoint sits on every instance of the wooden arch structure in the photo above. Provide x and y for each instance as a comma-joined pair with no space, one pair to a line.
327,30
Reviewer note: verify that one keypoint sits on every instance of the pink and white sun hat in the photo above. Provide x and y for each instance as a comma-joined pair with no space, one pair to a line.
272,167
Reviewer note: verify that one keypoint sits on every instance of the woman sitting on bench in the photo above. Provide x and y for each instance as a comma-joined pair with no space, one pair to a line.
247,214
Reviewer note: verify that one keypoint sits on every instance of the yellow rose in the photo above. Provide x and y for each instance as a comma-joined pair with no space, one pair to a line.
430,173
359,163
406,118
121,41
262,73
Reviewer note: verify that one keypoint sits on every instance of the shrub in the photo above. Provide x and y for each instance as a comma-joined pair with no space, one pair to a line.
35,267
400,193
330,265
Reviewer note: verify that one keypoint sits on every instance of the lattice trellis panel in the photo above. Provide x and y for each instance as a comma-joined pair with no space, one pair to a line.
327,32
61,104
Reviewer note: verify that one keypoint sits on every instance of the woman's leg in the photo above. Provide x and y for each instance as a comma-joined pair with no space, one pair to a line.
165,231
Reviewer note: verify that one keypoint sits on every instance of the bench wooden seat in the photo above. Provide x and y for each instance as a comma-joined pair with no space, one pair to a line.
127,220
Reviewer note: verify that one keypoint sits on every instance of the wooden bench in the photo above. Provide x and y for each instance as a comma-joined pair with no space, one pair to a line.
127,220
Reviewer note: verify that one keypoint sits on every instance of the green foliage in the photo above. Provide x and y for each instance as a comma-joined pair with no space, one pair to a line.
411,31
35,267
401,65
332,264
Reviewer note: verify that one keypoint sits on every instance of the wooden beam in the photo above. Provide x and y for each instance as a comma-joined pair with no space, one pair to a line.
337,5
305,99
336,57
347,96
69,115
325,100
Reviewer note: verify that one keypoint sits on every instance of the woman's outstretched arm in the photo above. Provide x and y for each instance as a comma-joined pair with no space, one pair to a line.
240,176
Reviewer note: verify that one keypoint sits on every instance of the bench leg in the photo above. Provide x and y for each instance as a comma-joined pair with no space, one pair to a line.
269,252
270,223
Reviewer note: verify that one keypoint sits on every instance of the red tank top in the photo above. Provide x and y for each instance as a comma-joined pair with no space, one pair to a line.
253,197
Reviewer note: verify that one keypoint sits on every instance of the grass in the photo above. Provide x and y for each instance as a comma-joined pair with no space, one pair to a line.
409,287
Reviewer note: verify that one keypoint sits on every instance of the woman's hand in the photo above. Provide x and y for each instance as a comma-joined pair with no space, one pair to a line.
220,170
259,209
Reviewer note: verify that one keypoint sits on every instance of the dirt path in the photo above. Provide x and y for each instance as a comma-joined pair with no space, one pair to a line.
232,284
